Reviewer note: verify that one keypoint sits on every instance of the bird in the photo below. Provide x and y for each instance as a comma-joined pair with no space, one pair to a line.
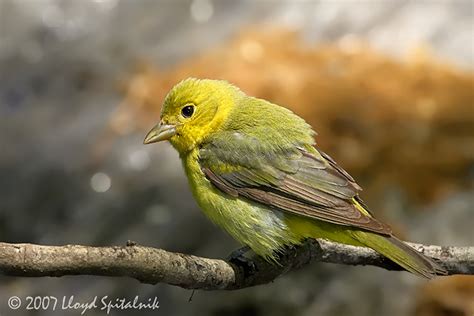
255,170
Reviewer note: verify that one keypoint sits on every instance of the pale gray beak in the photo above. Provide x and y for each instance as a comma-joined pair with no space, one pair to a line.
160,132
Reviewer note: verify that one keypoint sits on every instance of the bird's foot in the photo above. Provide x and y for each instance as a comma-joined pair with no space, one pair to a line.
238,258
236,254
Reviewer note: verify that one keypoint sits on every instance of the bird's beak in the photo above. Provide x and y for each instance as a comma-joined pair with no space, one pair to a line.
160,132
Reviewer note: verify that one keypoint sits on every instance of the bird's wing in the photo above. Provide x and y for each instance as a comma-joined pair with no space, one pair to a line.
305,182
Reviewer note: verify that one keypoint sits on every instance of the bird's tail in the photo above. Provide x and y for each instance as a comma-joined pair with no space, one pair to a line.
402,254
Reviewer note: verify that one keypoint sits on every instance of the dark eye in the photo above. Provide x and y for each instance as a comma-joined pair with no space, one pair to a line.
187,111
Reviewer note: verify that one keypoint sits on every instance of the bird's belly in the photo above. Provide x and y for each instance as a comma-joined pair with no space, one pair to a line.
262,229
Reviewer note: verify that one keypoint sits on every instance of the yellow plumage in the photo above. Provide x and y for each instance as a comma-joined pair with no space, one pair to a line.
255,171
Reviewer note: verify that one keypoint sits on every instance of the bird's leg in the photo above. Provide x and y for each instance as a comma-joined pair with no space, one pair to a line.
237,254
238,259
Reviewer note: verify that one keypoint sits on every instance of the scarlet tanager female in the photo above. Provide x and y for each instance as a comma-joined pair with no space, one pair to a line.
255,171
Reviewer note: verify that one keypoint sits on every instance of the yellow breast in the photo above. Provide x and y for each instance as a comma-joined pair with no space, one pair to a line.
262,229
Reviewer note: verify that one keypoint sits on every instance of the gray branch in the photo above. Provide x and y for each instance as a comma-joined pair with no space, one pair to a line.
151,265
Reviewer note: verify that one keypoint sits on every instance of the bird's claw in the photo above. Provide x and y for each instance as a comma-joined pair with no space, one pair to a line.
237,258
237,254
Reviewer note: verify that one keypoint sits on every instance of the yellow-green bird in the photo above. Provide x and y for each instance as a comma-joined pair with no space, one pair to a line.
255,171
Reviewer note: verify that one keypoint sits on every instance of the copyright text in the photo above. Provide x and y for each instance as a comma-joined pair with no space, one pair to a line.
97,303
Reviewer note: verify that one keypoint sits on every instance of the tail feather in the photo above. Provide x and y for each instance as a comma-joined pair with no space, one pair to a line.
402,254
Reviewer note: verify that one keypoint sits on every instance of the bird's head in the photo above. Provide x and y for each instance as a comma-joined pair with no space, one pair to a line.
193,110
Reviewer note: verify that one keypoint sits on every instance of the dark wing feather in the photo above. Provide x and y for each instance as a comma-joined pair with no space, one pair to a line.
300,182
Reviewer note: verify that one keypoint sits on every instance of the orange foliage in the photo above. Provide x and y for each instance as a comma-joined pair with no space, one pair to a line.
389,122
447,296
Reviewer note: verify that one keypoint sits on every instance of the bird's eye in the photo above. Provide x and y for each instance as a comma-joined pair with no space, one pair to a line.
187,111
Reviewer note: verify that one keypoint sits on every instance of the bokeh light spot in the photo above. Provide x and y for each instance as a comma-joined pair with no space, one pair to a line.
100,182
201,10
252,51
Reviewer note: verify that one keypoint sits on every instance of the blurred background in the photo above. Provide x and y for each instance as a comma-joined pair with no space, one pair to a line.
388,85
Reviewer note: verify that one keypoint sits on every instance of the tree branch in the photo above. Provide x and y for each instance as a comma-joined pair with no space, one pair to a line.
151,265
